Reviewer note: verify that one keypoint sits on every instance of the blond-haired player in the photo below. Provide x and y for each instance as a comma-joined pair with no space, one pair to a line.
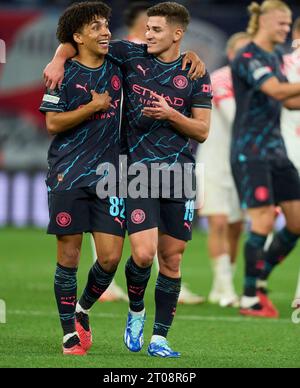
263,173
221,203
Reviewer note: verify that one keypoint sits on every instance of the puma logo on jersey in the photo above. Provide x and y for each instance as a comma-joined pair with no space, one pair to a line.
78,86
139,67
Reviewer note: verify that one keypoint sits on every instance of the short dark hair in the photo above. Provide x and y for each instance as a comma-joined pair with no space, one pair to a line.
174,13
296,26
78,15
133,12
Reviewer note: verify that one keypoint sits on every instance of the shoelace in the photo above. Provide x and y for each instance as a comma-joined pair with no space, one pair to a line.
136,325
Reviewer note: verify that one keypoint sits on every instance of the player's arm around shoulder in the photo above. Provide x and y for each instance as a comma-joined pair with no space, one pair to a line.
121,51
54,72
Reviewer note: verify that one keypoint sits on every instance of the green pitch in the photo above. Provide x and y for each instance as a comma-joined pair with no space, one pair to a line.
206,335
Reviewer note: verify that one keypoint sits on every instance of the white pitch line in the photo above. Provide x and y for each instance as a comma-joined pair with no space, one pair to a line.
178,317
237,319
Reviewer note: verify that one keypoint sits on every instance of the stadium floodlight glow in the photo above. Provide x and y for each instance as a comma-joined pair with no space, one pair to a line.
2,311
2,51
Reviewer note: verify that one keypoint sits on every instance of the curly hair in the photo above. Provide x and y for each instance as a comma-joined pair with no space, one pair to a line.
77,16
174,13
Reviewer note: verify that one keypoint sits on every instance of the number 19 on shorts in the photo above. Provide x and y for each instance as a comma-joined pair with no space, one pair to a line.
189,211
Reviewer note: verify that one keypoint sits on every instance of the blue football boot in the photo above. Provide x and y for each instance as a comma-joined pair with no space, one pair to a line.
134,332
161,348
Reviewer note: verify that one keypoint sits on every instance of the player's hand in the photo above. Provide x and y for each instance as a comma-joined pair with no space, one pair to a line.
198,68
161,110
54,74
100,102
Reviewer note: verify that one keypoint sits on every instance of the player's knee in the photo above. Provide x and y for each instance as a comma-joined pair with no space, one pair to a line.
264,223
143,256
171,263
69,257
218,225
110,262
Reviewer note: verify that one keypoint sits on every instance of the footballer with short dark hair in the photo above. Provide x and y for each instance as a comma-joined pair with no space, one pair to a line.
164,110
173,12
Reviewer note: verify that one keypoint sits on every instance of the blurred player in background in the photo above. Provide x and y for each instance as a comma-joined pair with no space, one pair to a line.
85,138
136,21
290,121
221,204
263,173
